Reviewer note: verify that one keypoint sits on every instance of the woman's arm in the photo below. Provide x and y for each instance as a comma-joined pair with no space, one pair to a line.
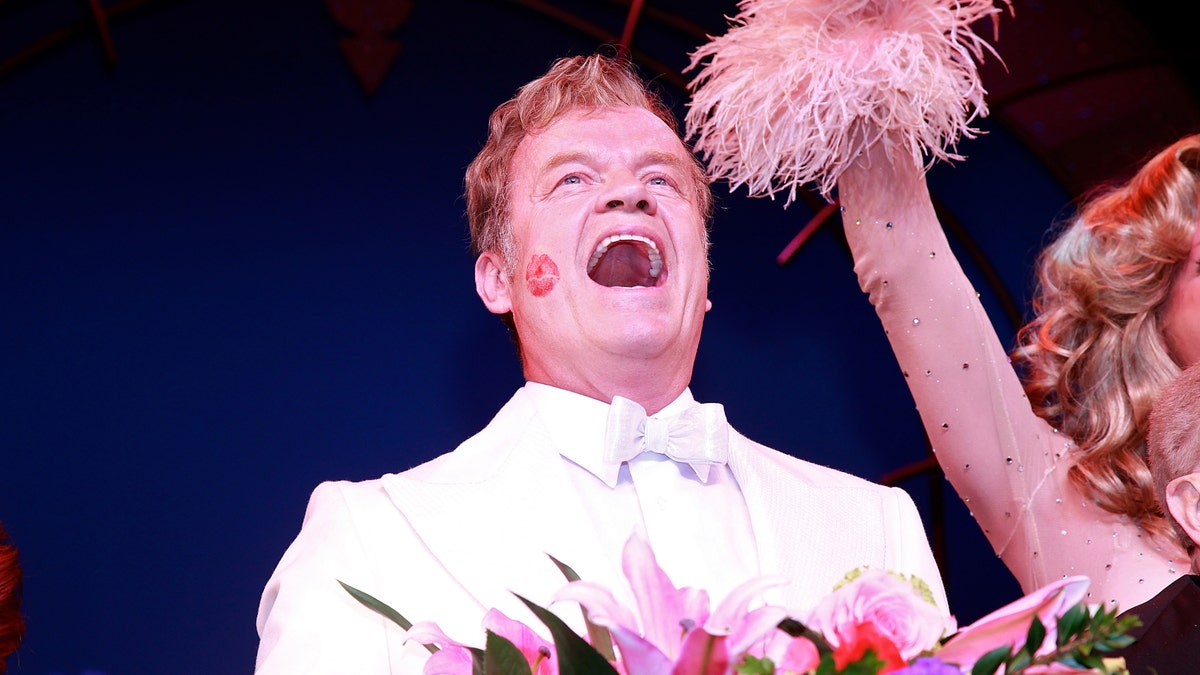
997,454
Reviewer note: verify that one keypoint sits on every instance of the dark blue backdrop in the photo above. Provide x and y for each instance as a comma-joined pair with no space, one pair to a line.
227,274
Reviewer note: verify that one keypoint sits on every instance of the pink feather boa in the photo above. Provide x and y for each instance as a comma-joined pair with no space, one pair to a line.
797,89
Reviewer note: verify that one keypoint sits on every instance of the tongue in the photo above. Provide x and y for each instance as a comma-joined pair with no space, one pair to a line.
624,265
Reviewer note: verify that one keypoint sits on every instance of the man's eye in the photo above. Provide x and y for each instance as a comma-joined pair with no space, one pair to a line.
572,180
660,180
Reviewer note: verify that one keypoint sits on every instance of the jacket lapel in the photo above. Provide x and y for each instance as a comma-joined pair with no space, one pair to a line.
495,514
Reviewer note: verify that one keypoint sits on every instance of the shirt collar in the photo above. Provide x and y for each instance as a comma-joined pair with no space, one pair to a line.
576,425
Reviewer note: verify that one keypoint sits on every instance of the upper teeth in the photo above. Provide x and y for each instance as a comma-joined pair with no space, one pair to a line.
651,250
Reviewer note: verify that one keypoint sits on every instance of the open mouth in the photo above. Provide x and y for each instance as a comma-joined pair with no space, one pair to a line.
626,261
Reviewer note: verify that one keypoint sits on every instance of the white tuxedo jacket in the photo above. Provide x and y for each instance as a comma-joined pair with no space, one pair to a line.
463,533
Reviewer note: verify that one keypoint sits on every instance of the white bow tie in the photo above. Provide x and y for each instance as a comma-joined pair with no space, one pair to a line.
698,436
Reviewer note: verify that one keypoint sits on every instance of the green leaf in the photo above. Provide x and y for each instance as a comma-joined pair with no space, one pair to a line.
1072,622
1127,623
502,657
383,608
792,627
796,629
990,662
377,605
575,655
478,666
598,635
1036,635
826,665
752,665
564,568
868,664
477,663
1019,660
1116,642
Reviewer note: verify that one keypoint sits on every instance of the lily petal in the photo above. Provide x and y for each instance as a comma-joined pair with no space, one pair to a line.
1010,624
702,654
534,647
429,633
756,626
731,612
603,609
660,603
450,661
639,655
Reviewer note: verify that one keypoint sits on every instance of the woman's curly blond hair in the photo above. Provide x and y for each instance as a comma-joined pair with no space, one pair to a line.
1094,357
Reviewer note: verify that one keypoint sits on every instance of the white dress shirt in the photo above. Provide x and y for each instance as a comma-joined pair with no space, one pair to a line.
700,532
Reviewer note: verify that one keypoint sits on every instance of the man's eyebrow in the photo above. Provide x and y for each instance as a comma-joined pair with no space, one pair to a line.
660,157
561,158
648,158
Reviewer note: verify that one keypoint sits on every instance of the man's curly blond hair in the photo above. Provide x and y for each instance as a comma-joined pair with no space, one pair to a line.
1094,357
600,80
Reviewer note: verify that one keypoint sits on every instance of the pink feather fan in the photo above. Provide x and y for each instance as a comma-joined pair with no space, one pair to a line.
796,89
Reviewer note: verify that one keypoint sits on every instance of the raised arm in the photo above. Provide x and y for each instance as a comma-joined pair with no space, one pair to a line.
997,454
863,96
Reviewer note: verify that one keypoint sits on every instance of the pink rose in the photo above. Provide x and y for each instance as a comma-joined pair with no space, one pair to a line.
791,655
889,603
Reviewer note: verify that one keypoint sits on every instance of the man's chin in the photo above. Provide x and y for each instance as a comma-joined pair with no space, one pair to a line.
650,341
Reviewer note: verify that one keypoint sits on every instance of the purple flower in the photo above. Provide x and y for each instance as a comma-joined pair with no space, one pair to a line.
928,665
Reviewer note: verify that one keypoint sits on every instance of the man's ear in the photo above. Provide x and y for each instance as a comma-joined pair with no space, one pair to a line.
1183,501
492,284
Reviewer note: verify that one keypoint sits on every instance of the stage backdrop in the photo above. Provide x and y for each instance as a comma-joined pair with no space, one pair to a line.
229,272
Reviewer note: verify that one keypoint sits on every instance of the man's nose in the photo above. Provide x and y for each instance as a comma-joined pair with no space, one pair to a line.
627,193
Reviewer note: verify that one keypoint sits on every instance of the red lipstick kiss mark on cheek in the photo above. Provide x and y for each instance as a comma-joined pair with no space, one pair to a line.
541,275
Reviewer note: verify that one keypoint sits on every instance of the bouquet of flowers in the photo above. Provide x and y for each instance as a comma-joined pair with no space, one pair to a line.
874,622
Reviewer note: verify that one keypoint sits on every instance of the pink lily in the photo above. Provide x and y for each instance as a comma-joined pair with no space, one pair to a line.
451,658
703,654
662,638
745,627
651,640
1009,625
537,651
454,658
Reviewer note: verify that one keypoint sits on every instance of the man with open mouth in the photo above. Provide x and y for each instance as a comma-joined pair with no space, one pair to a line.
589,217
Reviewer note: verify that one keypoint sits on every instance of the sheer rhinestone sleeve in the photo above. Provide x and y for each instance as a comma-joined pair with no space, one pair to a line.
1007,464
